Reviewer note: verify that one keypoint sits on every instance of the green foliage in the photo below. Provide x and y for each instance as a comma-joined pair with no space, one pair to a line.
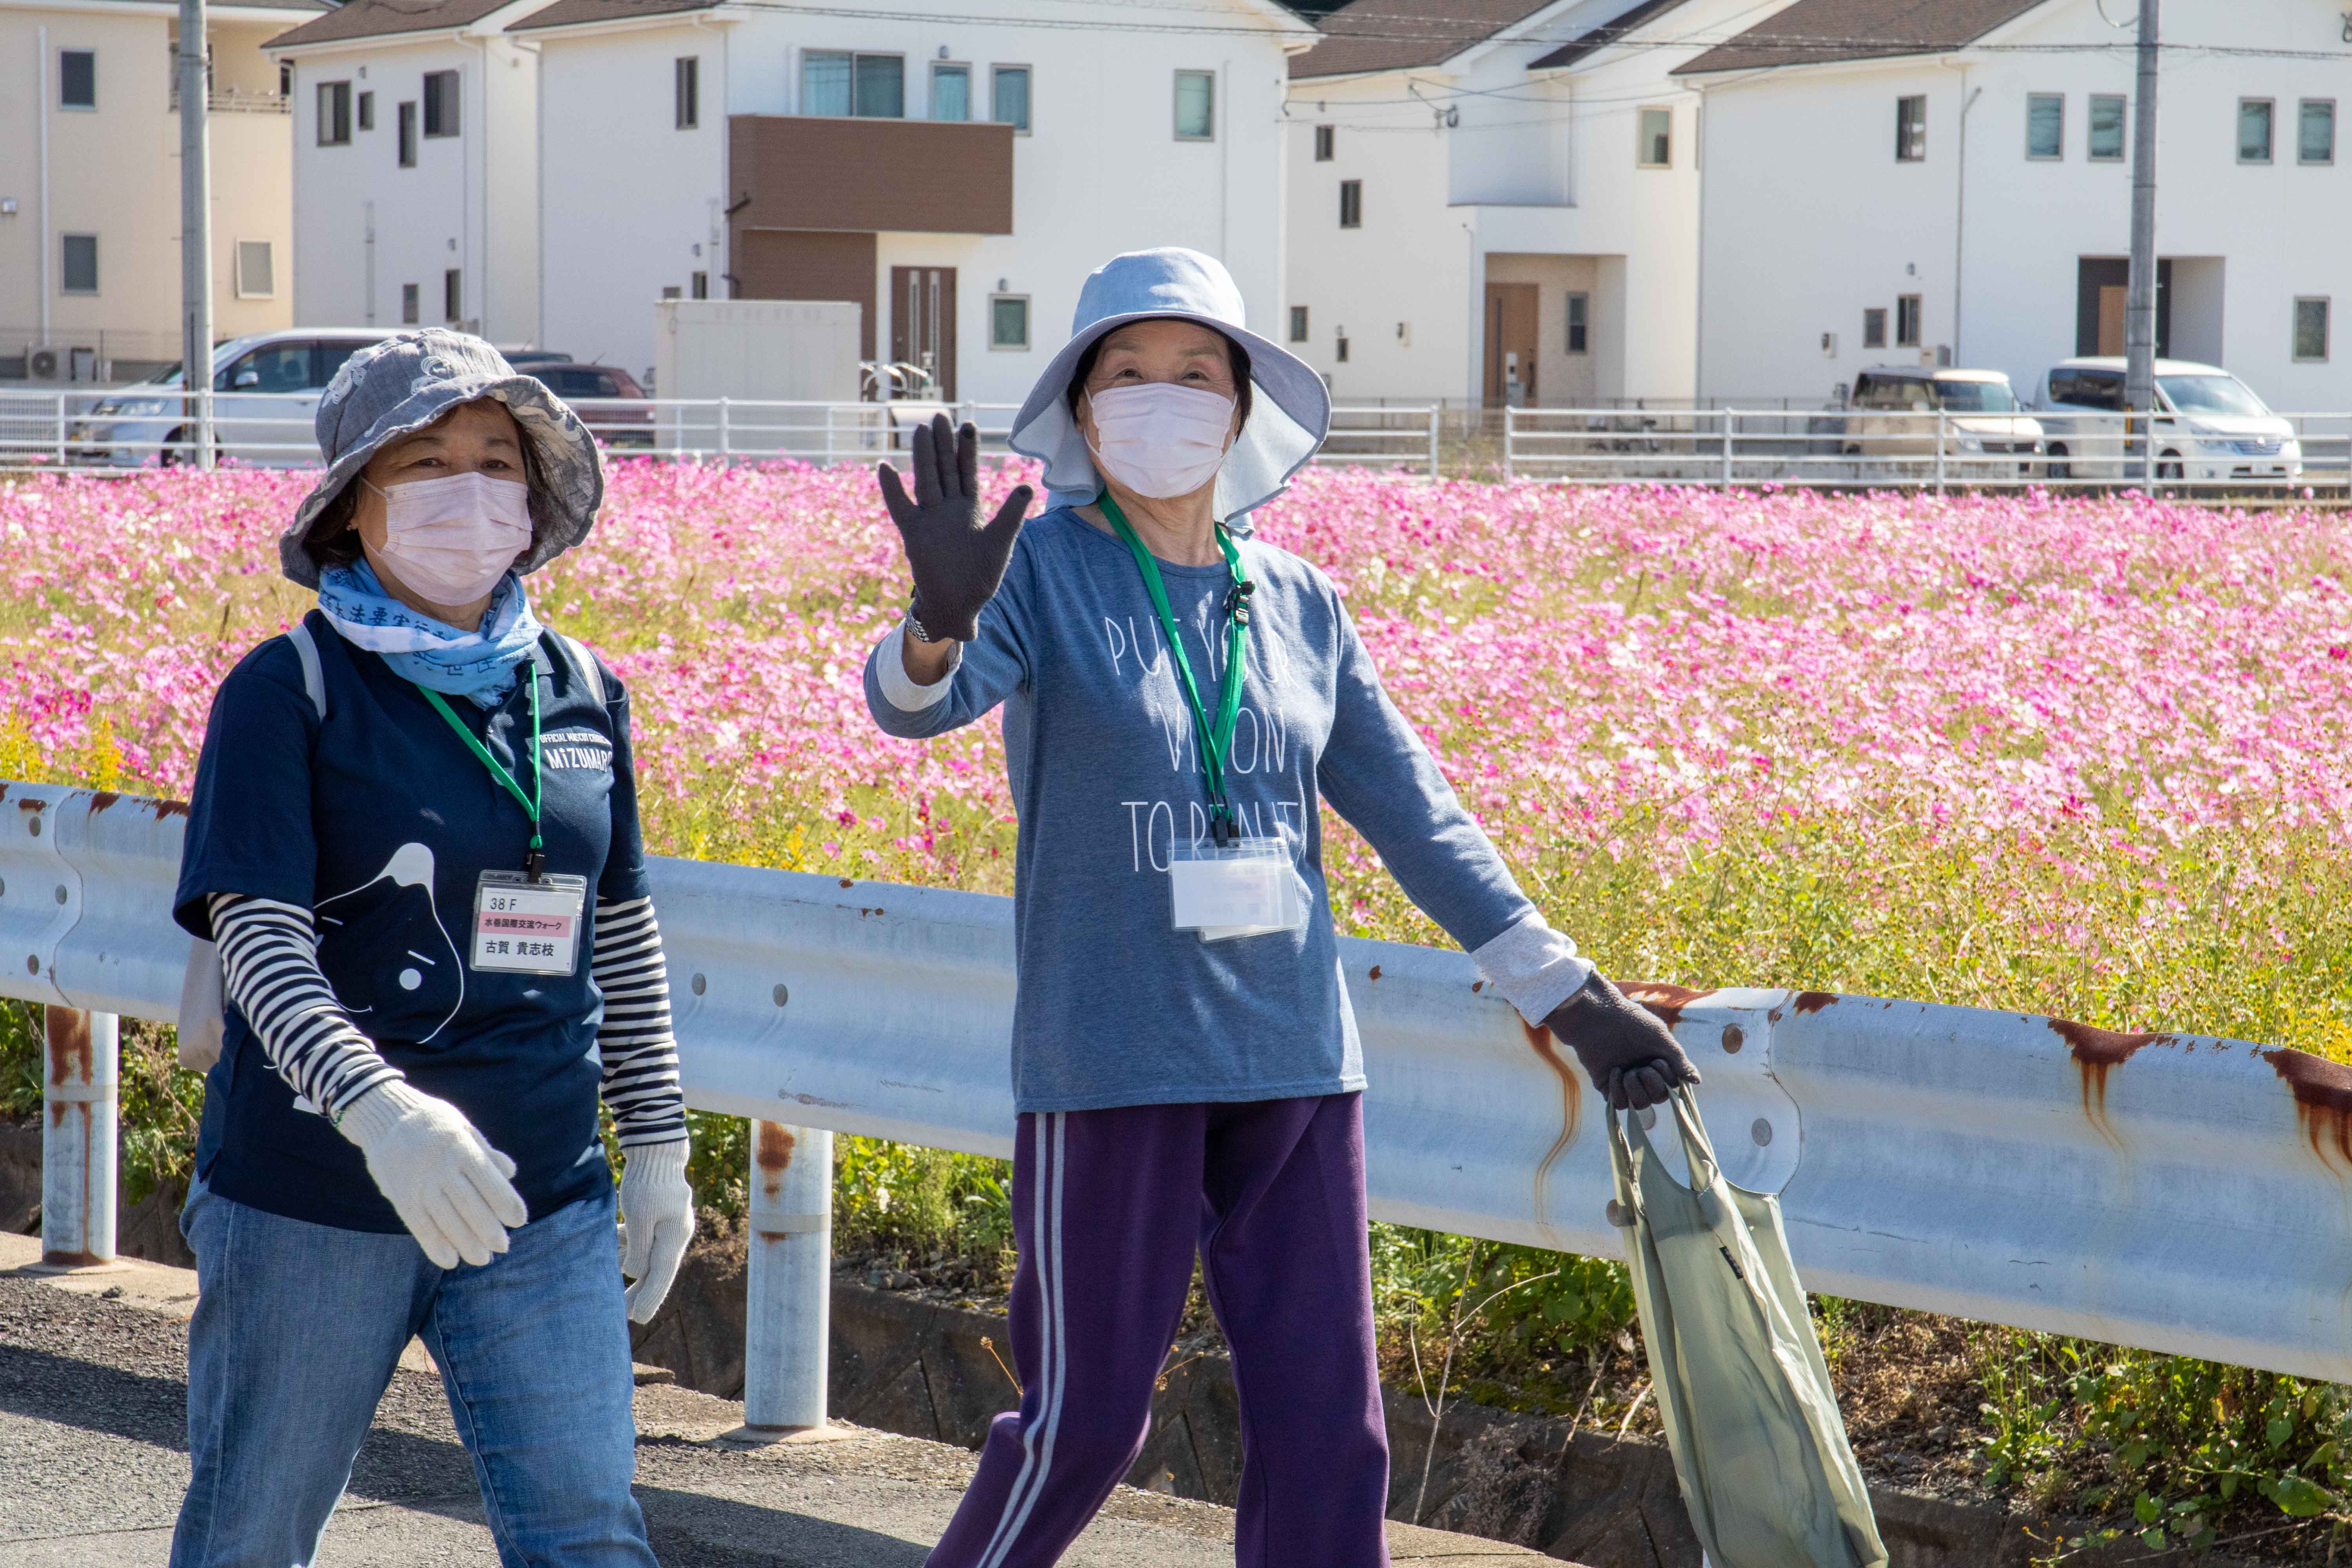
926,1203
2191,1449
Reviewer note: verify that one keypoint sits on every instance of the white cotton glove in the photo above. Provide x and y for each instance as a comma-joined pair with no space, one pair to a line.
657,1221
446,1183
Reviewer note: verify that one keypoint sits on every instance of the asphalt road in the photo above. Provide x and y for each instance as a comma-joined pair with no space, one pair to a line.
93,1458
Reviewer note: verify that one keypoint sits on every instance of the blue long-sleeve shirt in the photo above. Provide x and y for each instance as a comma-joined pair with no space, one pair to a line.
1115,1007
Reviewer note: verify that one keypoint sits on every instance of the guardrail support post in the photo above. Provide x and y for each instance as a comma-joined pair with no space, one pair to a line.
726,437
78,1143
1510,435
1725,414
789,1291
1940,451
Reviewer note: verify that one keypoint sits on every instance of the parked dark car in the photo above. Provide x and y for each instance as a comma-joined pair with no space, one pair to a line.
609,401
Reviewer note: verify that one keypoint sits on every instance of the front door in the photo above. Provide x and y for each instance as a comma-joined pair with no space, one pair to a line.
1511,337
923,324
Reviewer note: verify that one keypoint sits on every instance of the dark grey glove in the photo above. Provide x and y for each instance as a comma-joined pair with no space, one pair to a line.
1627,1053
958,563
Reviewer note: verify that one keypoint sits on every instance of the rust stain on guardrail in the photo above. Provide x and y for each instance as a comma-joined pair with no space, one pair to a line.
2097,1053
1663,998
1572,1108
1812,1001
2323,1100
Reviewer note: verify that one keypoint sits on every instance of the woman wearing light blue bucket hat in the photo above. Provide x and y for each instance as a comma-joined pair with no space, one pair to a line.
1179,701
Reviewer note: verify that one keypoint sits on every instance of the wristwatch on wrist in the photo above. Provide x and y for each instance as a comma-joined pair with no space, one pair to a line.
916,630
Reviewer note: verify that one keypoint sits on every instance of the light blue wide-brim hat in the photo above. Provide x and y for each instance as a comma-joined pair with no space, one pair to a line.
391,388
1290,409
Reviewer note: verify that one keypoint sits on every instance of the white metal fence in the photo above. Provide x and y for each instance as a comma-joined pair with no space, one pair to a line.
2174,1192
1936,449
131,428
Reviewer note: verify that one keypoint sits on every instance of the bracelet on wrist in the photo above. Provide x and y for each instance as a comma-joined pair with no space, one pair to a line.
916,630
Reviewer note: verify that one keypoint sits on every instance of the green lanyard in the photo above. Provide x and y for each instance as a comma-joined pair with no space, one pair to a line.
534,863
1215,741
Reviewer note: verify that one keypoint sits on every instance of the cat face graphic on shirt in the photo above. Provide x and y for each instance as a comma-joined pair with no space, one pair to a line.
388,954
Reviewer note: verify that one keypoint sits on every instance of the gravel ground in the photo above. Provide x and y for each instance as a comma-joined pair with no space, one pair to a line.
93,1460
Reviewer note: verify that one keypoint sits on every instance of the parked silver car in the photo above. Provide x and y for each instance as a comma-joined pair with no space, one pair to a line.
266,393
2210,427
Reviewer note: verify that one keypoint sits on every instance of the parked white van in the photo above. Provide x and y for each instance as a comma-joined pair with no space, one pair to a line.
2211,428
266,389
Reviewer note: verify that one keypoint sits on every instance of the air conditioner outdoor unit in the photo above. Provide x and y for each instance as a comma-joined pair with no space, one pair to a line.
45,364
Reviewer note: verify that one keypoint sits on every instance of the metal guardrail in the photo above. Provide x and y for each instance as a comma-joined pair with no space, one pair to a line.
2179,1192
1939,449
131,428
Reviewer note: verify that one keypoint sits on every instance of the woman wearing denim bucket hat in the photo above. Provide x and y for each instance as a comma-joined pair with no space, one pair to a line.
1180,699
414,837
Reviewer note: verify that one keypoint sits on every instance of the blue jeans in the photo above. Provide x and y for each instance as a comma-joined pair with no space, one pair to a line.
298,1329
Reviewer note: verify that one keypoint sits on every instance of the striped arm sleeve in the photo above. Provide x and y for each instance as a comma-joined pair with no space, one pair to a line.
269,952
639,1053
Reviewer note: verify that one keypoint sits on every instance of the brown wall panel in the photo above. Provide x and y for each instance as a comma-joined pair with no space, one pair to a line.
926,177
798,264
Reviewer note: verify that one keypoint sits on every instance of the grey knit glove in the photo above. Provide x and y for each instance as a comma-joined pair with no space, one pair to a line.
957,562
1628,1054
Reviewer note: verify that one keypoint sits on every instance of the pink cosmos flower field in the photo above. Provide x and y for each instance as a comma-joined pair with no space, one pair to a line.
1658,676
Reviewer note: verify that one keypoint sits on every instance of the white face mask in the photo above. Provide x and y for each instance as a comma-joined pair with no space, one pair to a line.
1161,438
452,538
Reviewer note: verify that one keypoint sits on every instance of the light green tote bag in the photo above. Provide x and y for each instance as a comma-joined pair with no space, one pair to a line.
1757,1440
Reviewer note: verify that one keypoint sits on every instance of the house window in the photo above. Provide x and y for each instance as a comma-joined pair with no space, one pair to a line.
1655,148
2311,330
2314,136
1008,322
1911,129
367,111
672,291
334,114
698,285
2106,128
1009,98
2045,125
1906,321
453,296
686,80
1196,106
256,278
440,103
76,78
1299,323
81,271
1873,328
950,92
408,304
1352,204
285,76
1340,345
1323,136
2253,131
1578,321
405,131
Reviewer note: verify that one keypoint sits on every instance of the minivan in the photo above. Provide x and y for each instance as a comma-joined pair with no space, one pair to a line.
2210,427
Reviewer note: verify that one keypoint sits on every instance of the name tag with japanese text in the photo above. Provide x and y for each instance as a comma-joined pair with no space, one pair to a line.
522,927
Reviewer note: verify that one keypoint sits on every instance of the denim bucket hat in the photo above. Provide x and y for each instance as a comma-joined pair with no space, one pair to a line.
390,389
1290,410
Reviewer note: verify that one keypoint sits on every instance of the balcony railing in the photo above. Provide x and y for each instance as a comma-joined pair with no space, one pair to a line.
240,101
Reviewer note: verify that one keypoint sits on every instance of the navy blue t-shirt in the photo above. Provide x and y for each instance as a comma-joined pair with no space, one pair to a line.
381,820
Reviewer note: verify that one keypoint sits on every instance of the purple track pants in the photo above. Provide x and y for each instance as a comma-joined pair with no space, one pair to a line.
1108,1207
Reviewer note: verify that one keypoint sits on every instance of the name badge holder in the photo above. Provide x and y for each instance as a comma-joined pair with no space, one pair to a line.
526,922
1245,887
1229,886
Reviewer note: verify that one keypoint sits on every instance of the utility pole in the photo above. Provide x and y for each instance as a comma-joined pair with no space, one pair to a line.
196,239
2139,297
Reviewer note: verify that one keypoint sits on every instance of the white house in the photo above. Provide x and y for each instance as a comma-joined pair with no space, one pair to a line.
415,167
1958,188
1501,205
955,178
89,183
